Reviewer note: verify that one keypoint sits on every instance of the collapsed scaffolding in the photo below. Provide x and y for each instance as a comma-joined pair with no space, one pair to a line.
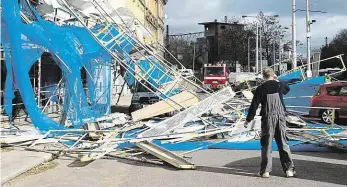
99,43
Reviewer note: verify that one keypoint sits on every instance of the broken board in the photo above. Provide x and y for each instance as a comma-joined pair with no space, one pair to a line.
189,114
165,155
185,99
248,95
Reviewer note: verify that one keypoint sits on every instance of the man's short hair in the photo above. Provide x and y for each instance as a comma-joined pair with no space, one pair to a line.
268,73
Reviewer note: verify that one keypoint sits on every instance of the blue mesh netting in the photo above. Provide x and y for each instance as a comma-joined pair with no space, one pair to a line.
305,88
294,75
71,47
154,72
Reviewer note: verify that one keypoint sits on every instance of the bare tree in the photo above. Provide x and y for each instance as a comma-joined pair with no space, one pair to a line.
337,46
272,32
234,45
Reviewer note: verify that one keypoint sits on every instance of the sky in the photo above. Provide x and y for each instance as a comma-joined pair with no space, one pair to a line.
183,16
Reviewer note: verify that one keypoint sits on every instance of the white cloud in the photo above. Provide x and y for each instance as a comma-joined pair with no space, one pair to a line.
325,26
184,16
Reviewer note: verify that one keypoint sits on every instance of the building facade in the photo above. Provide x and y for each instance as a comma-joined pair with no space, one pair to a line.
212,34
150,14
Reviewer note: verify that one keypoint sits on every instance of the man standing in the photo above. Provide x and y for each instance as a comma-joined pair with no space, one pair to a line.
273,122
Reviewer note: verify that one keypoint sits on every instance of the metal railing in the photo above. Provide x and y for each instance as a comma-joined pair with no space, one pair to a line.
322,108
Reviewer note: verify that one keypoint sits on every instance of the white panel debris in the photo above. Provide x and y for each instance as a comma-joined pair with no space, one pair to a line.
189,114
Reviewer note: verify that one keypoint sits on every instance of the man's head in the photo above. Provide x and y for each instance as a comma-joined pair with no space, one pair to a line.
268,73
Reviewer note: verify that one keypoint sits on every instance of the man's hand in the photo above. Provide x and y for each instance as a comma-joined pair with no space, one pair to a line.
246,124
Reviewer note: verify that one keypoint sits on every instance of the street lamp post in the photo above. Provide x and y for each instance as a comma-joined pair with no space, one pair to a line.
308,40
256,48
249,55
294,34
259,47
273,53
308,33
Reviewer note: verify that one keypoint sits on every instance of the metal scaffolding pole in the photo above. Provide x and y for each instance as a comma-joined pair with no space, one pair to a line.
194,51
39,83
257,49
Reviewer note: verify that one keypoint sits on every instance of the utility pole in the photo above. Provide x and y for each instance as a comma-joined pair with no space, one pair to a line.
326,41
308,40
257,49
249,55
294,34
280,51
261,49
257,41
273,53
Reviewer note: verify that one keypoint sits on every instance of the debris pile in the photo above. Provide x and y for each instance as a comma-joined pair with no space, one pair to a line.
196,118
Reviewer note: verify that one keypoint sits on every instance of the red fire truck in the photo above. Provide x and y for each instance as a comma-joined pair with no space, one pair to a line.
215,76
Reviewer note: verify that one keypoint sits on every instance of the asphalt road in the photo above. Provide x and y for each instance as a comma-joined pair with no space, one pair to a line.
214,168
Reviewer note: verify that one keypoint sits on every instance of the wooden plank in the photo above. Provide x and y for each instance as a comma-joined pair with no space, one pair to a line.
248,95
185,99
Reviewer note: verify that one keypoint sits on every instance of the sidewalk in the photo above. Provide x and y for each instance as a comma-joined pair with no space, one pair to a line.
16,162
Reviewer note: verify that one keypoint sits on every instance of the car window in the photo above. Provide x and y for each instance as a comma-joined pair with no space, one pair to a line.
343,91
318,92
333,91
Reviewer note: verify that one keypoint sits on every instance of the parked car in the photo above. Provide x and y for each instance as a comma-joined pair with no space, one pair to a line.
330,95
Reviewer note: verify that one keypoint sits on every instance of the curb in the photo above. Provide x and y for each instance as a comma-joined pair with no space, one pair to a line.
5,179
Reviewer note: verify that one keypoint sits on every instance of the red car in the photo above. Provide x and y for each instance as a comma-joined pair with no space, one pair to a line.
330,95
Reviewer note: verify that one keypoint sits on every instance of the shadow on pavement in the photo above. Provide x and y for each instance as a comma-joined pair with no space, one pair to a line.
305,169
337,155
227,170
79,164
144,164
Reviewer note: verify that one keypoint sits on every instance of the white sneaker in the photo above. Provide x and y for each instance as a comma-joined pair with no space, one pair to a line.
290,173
264,175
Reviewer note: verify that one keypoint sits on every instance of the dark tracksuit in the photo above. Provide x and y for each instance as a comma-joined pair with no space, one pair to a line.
273,123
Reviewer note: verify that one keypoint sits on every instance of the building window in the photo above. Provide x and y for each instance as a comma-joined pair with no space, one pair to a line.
222,27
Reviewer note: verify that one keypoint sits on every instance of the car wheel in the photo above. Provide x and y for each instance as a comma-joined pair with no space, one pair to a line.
326,116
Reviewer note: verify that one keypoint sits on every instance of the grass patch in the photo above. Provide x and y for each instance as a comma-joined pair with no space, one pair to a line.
6,149
35,170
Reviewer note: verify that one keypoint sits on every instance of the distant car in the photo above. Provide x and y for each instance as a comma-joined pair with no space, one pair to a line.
142,96
186,72
330,95
250,84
